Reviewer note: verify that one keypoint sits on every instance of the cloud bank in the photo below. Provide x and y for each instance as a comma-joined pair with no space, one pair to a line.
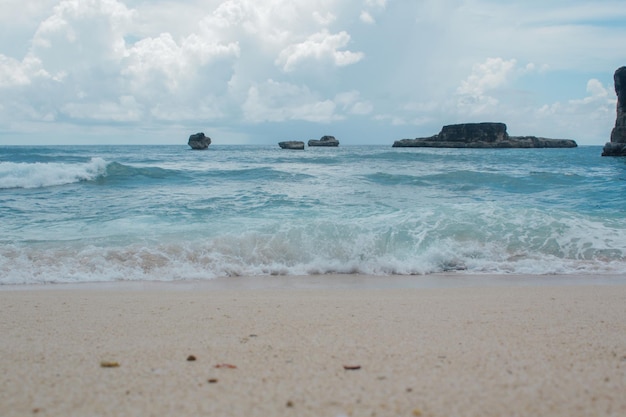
259,71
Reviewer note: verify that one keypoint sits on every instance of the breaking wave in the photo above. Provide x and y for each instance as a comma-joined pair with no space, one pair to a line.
49,174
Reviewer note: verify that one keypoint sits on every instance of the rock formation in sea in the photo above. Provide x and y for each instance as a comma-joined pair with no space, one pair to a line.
617,145
481,135
324,141
199,141
292,144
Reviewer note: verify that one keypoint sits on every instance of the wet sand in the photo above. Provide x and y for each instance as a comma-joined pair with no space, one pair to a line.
317,346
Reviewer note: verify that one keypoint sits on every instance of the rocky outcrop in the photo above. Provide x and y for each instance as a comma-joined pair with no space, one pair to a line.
324,141
198,141
617,145
481,135
292,144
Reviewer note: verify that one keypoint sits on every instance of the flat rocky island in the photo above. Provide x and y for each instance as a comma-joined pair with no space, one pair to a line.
481,135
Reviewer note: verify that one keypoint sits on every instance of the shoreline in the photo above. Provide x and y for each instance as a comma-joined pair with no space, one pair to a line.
340,281
499,348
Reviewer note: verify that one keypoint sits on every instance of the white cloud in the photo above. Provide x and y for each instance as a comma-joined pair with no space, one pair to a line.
324,19
318,47
599,102
277,102
27,10
367,18
105,19
81,41
207,109
486,76
592,116
394,120
489,75
125,109
229,14
162,61
352,103
274,101
376,3
597,92
372,7
16,73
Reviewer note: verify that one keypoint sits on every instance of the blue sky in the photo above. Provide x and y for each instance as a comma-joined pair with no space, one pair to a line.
263,71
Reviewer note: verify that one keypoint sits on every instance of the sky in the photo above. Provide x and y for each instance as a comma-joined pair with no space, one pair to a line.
264,71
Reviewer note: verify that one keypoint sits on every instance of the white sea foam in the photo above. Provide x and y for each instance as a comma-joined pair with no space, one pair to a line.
46,174
295,251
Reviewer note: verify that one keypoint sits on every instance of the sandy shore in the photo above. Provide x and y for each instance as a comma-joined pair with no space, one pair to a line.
494,349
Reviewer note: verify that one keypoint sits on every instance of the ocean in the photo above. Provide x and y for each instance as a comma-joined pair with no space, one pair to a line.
112,213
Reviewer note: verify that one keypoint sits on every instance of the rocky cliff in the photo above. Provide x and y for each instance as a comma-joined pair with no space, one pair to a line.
617,145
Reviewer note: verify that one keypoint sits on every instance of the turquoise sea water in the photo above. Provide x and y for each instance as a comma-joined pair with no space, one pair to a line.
105,213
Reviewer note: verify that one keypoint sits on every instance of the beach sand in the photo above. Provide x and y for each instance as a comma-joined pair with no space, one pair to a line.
280,347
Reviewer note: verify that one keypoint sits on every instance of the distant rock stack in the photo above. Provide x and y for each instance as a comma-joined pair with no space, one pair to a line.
324,141
617,145
292,144
198,141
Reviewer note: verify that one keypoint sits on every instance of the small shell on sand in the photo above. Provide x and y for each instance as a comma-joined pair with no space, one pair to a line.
225,365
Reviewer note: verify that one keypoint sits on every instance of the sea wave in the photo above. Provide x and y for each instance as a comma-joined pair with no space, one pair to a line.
118,171
158,213
48,174
173,262
412,247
